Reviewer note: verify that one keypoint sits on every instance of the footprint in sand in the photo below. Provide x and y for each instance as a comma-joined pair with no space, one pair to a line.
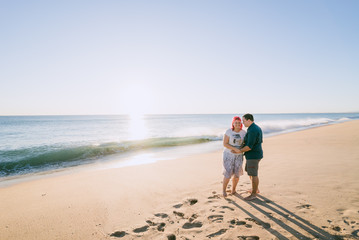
237,222
178,214
193,217
216,218
192,201
226,207
336,228
189,225
161,227
178,205
253,220
220,232
141,229
349,222
161,215
151,223
171,237
184,238
248,237
215,196
355,233
119,234
306,206
264,224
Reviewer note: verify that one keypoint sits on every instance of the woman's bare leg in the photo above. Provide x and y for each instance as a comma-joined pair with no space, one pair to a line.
234,183
225,183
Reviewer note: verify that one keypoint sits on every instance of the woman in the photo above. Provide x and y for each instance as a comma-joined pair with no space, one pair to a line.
232,158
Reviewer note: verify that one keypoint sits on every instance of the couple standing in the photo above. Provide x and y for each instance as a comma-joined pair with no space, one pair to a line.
237,142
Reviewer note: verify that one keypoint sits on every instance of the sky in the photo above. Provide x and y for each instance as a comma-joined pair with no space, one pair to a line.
177,57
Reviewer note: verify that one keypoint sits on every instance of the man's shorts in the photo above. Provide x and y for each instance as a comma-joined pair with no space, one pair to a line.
252,167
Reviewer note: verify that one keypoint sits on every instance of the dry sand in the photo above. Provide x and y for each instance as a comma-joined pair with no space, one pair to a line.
309,182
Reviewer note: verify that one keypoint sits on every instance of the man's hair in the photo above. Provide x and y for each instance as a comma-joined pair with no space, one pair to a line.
248,116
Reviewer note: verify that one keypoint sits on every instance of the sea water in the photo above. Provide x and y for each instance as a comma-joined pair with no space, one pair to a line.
33,144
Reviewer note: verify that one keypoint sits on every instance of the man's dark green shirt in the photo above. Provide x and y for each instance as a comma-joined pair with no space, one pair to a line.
253,140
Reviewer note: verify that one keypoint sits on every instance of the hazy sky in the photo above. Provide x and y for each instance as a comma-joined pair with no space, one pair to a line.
114,57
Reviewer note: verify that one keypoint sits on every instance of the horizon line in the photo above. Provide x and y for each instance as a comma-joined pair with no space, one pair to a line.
124,114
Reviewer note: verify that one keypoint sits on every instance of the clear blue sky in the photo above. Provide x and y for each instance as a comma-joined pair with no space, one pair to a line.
114,57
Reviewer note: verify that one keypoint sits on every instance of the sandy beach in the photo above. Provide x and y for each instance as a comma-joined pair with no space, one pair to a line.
309,183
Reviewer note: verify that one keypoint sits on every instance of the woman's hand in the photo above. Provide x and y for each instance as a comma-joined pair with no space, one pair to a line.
236,150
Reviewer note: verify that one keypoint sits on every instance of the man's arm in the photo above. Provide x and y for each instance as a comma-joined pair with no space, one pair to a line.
245,149
249,142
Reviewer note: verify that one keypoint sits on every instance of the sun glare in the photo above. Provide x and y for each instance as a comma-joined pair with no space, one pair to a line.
136,101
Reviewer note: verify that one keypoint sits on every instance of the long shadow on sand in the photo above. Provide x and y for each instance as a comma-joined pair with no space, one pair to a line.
262,203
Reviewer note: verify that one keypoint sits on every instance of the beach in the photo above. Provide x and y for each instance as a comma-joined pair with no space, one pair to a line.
308,181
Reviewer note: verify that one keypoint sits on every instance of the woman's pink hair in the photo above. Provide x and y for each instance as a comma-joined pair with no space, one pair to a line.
235,119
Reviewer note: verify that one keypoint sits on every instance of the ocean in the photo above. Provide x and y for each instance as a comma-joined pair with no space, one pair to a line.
36,144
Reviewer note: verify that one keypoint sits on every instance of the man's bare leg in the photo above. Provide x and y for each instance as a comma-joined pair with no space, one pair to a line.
225,183
234,183
255,183
250,190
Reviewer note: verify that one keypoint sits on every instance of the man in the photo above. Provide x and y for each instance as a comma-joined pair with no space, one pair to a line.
253,152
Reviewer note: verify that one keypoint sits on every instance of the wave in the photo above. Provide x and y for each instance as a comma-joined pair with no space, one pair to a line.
21,161
278,126
344,119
